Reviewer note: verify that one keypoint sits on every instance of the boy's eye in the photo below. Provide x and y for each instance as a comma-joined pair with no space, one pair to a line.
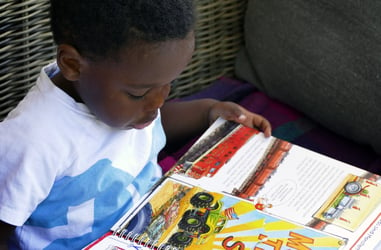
140,93
135,97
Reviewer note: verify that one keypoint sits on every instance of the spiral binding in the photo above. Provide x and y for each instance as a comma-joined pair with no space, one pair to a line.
143,241
148,243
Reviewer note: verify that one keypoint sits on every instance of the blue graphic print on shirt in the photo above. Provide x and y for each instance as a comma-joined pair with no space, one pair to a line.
103,186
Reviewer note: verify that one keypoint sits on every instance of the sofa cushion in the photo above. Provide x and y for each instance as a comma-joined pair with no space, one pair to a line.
321,57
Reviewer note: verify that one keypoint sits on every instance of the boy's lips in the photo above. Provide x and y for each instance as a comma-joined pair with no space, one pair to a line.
145,123
141,125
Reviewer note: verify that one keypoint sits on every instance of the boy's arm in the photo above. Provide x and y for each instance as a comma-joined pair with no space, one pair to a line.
6,231
183,120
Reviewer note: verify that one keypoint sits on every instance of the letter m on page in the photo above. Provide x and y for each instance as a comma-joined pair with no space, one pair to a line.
297,241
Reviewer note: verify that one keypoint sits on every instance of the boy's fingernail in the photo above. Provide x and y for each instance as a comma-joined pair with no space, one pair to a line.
242,117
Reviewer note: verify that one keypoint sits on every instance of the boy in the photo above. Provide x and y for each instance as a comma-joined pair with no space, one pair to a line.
81,148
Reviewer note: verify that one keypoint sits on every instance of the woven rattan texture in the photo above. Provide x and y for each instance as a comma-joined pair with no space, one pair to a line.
25,46
219,34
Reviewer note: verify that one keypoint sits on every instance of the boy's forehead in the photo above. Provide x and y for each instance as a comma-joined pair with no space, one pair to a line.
150,64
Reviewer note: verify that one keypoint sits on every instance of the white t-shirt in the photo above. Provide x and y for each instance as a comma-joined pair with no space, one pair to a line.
65,176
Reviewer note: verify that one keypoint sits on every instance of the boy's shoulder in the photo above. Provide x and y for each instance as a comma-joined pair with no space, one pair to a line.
41,117
44,109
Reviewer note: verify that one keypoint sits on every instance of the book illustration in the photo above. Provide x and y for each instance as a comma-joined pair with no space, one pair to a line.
262,203
274,156
179,216
205,144
351,203
284,180
263,193
208,157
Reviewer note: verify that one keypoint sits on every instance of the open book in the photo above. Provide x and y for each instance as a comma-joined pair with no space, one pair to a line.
266,194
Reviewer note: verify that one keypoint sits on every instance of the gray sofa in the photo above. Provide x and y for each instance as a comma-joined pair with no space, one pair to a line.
322,57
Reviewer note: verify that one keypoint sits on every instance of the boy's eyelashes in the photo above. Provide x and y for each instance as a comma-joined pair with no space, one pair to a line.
136,97
140,96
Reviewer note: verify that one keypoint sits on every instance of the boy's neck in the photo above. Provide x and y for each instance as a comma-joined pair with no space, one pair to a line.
66,86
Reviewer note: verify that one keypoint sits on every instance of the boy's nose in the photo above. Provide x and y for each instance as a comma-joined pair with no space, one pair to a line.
156,97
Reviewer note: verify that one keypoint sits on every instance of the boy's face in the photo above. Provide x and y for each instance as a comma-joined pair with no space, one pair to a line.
128,92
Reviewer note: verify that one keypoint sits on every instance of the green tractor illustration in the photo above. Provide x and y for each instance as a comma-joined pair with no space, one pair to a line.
202,220
345,199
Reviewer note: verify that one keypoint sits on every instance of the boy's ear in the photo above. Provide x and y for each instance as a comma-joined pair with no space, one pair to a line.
69,62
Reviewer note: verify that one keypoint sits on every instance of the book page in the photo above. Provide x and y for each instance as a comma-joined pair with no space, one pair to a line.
286,180
180,216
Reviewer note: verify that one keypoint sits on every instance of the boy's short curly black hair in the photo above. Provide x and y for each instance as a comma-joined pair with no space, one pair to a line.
100,28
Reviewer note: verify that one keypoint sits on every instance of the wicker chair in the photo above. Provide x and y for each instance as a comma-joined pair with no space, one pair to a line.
219,35
26,45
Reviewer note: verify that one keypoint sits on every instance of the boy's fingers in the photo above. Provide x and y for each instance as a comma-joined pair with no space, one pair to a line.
266,127
263,124
233,112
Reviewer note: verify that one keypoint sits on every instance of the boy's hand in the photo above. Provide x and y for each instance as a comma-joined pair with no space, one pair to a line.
184,120
234,112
